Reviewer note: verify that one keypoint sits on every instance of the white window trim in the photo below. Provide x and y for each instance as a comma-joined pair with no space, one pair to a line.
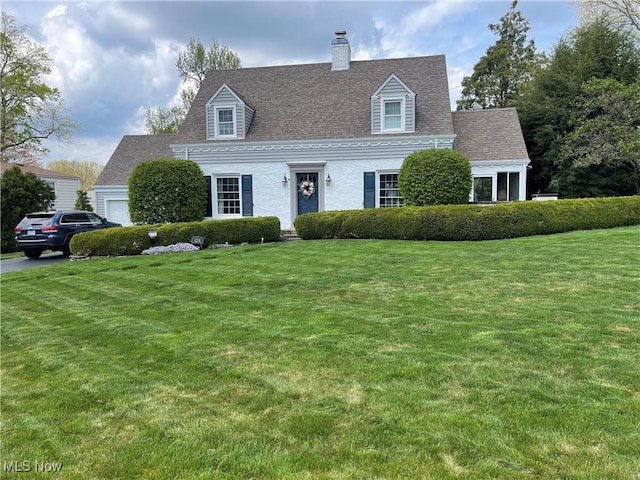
214,187
378,173
403,115
494,185
229,106
509,188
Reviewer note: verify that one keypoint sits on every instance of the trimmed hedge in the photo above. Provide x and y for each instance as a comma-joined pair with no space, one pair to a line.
133,240
472,222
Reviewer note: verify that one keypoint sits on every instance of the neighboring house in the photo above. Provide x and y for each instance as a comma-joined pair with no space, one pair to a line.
263,136
65,186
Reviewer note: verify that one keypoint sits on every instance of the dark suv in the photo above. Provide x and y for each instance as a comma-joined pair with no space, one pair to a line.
42,231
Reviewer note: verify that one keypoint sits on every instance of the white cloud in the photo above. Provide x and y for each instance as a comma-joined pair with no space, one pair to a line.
456,74
83,149
97,77
408,35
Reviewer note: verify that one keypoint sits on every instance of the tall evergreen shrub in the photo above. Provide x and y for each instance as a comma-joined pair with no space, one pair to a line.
167,190
21,193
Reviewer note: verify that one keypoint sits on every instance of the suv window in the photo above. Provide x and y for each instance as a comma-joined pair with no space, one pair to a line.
94,219
74,218
36,220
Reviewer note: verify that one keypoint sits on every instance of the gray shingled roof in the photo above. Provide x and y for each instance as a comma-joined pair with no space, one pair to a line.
302,102
493,134
132,150
308,102
37,171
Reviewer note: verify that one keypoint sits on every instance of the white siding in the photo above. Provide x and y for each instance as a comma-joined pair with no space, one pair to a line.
66,190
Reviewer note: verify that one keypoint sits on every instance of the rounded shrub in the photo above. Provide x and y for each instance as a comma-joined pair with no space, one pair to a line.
435,177
167,190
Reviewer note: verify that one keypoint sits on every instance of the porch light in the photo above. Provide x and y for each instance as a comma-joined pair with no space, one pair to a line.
328,179
285,180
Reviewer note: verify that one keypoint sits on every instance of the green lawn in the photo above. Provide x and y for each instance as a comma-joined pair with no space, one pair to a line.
7,256
332,359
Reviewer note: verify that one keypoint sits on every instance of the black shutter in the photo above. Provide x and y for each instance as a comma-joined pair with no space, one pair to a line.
247,196
369,189
209,211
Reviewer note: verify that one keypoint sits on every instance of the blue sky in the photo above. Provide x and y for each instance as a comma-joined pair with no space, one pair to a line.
115,59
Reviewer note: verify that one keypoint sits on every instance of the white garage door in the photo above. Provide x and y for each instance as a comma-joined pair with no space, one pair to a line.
118,211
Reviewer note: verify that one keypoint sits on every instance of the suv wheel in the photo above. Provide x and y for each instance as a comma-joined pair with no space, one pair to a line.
32,253
65,250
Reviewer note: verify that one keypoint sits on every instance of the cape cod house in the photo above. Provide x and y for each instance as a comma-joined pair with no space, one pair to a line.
292,139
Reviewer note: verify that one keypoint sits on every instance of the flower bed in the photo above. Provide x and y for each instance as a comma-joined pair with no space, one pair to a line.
176,247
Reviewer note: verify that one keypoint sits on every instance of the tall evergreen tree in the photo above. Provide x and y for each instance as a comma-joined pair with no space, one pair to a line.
82,201
499,76
20,193
550,109
601,155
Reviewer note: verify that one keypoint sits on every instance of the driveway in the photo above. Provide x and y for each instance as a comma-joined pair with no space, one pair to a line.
15,264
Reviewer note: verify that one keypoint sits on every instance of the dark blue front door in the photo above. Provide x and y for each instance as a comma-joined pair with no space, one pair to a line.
307,185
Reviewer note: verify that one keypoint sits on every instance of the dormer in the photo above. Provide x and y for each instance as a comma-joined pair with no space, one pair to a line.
393,107
228,117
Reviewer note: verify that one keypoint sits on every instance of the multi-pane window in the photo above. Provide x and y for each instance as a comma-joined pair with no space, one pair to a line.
228,195
389,190
508,186
225,122
392,114
482,189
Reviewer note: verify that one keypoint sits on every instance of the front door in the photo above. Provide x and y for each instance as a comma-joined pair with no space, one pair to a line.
307,185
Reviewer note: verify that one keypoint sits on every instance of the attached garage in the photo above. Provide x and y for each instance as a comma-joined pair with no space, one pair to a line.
118,211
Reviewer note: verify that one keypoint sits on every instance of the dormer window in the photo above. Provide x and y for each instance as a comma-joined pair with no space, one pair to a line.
225,121
393,107
228,116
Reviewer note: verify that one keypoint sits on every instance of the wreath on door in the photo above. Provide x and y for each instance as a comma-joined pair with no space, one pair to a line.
307,188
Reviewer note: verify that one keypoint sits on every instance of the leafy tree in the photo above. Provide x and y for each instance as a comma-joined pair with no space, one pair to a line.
623,14
30,110
82,202
87,172
550,109
167,190
601,156
20,193
193,65
168,120
499,76
435,177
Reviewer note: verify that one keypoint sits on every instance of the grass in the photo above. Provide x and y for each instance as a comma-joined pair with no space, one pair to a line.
7,256
513,359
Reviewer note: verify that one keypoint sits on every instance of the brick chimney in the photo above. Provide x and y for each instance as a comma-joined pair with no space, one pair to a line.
340,52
